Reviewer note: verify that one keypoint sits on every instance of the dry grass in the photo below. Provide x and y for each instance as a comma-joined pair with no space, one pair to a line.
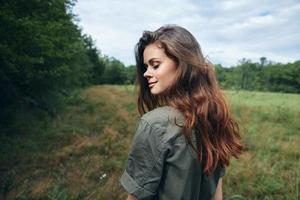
83,154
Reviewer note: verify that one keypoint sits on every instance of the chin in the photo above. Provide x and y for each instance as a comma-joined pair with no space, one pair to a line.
155,92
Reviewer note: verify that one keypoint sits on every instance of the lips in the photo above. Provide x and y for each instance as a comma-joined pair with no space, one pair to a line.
152,84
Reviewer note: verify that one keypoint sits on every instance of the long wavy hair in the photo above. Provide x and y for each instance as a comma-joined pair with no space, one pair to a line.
195,93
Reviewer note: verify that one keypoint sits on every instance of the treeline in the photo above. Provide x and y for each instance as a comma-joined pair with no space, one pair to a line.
247,75
261,76
44,57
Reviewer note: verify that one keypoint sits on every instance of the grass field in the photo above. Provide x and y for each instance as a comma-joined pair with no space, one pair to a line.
82,153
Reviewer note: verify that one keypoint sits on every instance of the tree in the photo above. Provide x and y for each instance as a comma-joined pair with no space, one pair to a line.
284,78
97,62
262,76
130,74
42,54
114,72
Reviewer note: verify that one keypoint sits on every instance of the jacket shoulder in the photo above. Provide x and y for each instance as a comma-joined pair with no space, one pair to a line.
162,117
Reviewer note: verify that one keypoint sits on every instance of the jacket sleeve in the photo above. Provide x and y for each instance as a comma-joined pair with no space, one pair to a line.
144,166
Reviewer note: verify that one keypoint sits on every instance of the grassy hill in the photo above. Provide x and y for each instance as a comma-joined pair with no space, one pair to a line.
82,153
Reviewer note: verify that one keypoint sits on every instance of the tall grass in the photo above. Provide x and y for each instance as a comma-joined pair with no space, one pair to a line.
82,154
269,169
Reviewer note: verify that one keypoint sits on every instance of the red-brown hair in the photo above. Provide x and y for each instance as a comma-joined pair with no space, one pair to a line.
195,93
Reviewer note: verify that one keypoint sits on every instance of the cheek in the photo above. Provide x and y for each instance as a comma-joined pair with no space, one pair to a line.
167,80
172,79
172,74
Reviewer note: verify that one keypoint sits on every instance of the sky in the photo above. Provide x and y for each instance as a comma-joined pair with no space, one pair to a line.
227,30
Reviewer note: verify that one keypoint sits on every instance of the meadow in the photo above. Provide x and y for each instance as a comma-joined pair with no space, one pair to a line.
82,153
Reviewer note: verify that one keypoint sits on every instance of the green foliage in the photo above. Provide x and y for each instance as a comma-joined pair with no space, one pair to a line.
114,72
130,74
98,63
263,76
43,56
284,78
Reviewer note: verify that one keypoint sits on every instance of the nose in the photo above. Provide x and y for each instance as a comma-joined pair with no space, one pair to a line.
147,73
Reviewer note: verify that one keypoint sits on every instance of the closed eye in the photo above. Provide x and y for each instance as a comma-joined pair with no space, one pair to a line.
155,67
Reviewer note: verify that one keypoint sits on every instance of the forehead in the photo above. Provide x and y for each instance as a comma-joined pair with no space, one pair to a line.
154,50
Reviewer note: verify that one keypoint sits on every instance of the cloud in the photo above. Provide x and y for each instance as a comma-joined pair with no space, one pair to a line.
226,30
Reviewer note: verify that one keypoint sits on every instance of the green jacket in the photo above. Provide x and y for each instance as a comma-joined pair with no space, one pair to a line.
162,166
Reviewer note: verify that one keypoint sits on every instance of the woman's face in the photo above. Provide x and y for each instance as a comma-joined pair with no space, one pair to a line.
161,69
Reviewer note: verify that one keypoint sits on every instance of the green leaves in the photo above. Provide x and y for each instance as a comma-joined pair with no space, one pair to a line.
42,52
264,76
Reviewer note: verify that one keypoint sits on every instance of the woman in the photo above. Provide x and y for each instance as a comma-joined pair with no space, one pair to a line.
186,135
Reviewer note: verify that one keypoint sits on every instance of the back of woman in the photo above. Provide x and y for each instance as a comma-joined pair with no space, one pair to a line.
186,135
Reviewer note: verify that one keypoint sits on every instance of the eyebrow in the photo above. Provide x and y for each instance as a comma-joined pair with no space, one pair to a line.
150,61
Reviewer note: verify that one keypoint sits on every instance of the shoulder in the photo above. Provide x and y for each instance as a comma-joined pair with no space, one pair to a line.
161,117
164,120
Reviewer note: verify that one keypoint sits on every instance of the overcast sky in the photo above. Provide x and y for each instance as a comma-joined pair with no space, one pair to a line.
227,30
